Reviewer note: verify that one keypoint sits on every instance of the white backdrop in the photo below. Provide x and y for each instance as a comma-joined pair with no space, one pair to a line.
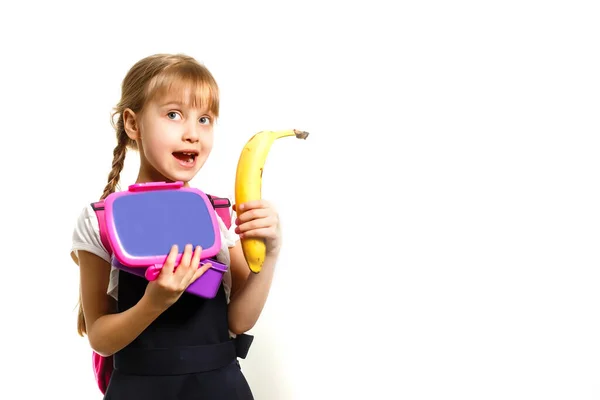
441,222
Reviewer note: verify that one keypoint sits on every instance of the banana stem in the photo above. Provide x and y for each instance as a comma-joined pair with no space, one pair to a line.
292,132
301,134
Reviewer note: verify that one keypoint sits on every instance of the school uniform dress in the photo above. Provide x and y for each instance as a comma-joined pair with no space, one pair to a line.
187,353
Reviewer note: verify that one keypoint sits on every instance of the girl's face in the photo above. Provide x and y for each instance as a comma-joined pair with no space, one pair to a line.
174,139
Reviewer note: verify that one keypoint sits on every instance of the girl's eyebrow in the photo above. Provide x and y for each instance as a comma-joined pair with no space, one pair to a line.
179,104
171,103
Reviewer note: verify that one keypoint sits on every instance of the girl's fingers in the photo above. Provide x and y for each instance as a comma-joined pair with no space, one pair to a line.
200,271
194,263
196,258
256,224
252,214
169,264
263,233
250,205
185,270
186,257
188,269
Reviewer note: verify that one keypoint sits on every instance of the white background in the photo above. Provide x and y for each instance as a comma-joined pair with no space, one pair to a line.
441,221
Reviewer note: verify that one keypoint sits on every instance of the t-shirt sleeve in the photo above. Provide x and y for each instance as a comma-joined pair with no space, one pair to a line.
86,236
229,235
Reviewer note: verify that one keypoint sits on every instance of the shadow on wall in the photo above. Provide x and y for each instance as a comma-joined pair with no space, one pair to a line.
265,367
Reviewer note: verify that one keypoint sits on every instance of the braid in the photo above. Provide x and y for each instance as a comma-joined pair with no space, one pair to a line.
118,159
113,180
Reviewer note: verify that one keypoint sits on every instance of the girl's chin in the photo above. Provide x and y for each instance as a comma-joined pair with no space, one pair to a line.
173,173
174,176
184,176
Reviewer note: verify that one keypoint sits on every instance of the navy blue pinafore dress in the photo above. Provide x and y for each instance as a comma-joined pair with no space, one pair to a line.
185,354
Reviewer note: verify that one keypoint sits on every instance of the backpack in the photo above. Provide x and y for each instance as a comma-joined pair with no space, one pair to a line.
103,366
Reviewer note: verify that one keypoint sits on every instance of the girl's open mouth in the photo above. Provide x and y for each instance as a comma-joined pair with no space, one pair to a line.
186,158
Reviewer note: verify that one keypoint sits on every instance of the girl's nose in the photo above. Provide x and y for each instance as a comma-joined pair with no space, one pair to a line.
191,133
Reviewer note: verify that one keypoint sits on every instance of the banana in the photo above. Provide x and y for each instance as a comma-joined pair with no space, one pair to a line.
248,184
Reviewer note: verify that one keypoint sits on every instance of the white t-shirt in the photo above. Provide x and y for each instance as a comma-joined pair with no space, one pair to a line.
86,236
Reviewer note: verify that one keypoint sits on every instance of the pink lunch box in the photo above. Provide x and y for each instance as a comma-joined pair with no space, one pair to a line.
143,223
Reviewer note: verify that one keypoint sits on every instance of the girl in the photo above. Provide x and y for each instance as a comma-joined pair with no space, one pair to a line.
168,344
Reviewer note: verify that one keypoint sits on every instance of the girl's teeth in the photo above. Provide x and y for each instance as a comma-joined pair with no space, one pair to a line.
190,157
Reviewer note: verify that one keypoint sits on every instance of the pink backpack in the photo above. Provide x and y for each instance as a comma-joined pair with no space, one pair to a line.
103,366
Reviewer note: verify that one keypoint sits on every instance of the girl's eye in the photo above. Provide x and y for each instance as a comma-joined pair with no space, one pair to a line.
205,120
172,115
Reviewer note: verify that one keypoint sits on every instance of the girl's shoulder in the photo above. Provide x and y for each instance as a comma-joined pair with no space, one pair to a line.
86,235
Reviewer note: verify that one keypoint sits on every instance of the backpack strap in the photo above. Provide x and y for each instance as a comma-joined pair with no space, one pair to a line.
99,210
103,366
221,206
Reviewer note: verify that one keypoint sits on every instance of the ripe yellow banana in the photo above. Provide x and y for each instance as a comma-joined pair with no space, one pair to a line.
248,184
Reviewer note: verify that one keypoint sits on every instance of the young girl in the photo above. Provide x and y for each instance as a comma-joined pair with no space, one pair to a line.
168,344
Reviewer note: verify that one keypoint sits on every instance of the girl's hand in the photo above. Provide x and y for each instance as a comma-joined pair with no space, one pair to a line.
258,219
172,281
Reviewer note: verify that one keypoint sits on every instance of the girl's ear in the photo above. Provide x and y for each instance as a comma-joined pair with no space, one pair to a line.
130,124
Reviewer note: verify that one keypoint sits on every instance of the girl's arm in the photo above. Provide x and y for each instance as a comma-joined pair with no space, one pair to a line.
255,219
249,291
109,331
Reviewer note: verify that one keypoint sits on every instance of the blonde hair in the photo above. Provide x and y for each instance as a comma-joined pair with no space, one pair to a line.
150,78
